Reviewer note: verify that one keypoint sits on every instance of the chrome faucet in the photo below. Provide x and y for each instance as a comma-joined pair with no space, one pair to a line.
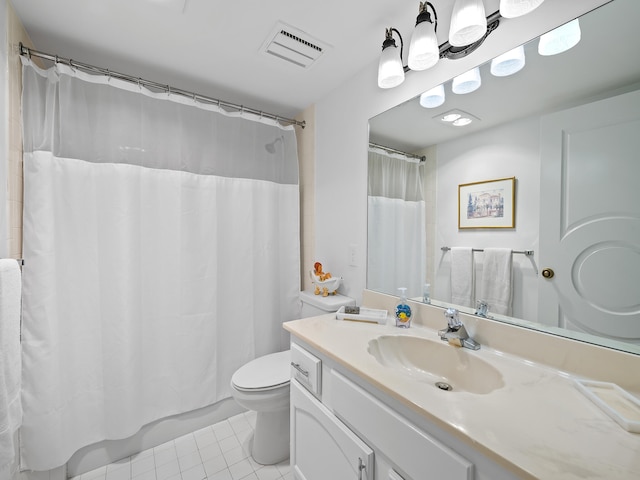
482,308
455,333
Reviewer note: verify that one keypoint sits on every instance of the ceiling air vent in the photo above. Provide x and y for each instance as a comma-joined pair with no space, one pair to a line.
293,45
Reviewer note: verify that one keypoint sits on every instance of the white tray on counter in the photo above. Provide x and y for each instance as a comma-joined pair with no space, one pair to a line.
616,402
369,315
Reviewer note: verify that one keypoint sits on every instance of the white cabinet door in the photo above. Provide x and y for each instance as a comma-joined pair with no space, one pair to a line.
590,168
322,447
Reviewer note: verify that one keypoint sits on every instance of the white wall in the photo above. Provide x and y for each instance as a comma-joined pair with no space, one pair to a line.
342,137
511,150
4,149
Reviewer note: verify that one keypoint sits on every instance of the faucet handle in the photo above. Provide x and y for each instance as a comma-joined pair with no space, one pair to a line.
482,308
451,314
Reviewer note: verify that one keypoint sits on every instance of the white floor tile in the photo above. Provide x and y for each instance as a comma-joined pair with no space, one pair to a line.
195,473
240,469
166,455
189,460
222,430
142,465
268,472
223,475
215,465
168,470
210,451
218,452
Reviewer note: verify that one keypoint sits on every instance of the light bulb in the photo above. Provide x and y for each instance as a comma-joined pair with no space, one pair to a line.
468,23
467,82
508,63
517,8
424,51
561,39
433,98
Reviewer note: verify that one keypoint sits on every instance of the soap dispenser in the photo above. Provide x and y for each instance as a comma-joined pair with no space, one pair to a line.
403,310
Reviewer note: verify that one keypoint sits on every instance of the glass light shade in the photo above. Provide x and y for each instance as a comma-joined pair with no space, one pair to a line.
424,51
468,23
467,82
561,39
433,98
517,8
390,70
508,63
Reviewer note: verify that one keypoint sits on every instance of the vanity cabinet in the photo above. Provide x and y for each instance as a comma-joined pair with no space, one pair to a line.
345,431
322,446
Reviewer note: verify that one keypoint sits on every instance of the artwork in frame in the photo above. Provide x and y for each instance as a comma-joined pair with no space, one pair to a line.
487,204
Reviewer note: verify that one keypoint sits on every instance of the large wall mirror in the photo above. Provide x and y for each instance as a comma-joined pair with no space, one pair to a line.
567,129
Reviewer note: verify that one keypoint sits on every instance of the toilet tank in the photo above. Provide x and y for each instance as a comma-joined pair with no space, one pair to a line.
314,305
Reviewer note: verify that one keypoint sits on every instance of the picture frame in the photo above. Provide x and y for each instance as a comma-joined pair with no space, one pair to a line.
487,204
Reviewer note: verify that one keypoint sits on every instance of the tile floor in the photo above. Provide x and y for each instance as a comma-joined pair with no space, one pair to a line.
218,452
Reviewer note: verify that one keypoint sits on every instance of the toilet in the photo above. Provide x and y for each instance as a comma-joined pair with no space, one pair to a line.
262,385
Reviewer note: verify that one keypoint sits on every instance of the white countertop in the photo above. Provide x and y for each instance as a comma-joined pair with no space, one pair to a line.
539,425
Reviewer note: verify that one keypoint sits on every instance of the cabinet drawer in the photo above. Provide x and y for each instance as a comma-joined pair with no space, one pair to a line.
306,368
412,450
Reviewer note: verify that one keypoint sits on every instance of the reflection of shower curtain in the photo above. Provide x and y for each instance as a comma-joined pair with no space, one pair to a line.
396,224
161,246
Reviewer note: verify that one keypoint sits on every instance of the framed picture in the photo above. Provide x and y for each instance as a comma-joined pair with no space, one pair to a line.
487,204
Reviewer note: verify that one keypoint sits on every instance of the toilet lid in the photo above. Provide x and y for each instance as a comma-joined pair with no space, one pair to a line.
264,372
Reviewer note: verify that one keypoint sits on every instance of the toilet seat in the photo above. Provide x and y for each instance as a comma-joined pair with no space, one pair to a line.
264,373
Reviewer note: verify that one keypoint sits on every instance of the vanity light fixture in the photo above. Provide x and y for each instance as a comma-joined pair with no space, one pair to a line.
560,39
424,50
508,63
468,82
517,8
433,98
468,22
390,69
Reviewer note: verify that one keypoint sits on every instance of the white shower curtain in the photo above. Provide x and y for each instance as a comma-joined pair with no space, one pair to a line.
396,224
161,246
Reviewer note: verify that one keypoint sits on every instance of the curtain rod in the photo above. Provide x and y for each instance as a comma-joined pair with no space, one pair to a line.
29,52
528,253
422,158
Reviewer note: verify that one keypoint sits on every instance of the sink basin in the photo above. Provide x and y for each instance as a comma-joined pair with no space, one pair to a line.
436,362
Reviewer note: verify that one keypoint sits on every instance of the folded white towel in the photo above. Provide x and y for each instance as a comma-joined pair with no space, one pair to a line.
495,285
10,361
462,276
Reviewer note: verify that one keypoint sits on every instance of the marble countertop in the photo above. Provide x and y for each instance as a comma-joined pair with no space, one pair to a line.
539,425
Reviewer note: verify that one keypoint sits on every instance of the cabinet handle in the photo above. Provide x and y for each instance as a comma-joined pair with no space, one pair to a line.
361,467
300,369
548,273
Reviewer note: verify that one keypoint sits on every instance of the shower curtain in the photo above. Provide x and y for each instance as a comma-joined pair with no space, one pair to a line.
161,247
396,224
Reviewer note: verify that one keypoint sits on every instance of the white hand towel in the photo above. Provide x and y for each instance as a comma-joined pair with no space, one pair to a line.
462,276
10,361
495,286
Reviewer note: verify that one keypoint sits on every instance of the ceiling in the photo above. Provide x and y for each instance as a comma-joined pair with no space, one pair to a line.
213,47
606,59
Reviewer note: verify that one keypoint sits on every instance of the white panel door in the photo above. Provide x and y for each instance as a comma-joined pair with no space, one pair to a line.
322,447
590,218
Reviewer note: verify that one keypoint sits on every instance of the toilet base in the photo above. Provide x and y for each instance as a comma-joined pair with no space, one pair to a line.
271,437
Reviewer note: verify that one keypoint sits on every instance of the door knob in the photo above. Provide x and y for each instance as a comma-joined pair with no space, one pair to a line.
548,273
